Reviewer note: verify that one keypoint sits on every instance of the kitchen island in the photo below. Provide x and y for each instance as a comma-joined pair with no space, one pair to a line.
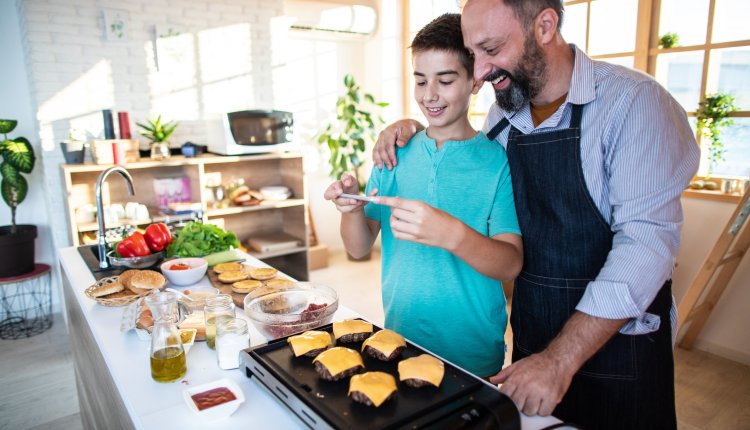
113,374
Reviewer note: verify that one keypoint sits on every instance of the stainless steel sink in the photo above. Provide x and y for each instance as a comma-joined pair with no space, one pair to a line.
90,255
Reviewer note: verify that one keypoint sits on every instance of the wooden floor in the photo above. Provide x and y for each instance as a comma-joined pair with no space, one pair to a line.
37,382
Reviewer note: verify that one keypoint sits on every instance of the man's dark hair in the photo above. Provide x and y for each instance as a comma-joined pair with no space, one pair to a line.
444,34
527,10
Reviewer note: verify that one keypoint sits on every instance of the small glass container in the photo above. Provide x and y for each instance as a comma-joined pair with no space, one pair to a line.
218,308
160,150
231,338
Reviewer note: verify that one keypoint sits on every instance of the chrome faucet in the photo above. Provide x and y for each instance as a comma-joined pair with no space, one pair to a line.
103,263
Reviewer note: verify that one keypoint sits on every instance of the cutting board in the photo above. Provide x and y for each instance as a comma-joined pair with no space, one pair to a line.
237,298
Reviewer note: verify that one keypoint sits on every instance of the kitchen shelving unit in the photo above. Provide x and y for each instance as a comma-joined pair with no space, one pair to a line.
287,216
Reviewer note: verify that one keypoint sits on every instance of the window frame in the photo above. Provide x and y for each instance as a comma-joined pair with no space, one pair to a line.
645,54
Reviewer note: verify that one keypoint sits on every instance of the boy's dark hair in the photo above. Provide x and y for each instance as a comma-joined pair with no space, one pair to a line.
444,34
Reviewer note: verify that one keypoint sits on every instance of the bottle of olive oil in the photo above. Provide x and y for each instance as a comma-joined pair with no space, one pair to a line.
168,362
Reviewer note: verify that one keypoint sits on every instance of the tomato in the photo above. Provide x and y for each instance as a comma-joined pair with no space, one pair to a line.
179,266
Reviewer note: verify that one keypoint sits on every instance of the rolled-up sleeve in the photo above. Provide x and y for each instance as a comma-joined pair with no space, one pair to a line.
650,159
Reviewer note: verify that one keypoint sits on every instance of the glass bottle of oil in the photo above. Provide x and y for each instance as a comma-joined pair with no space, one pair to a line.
168,362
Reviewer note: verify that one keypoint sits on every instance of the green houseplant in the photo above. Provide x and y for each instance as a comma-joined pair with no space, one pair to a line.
669,40
713,115
158,133
356,126
16,241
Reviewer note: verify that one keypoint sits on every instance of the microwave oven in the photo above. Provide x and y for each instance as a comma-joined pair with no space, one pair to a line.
252,132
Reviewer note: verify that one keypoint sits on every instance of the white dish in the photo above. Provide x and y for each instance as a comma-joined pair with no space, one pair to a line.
183,278
223,410
276,192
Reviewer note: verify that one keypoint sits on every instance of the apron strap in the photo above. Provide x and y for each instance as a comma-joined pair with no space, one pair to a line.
497,129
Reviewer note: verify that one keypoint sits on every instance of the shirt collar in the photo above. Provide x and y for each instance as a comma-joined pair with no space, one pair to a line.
583,83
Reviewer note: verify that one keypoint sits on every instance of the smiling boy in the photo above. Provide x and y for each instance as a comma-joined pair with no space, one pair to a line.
445,245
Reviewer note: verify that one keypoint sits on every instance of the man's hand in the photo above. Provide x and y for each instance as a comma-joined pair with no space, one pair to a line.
536,383
396,134
347,184
419,222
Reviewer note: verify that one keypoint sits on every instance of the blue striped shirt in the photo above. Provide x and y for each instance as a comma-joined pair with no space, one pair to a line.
638,154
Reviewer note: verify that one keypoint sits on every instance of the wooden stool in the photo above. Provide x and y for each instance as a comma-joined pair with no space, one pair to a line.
26,303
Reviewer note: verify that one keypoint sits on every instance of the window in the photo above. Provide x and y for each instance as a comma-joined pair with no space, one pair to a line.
712,55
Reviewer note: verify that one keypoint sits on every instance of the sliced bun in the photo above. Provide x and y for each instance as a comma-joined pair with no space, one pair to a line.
263,273
246,286
227,267
107,289
232,276
148,280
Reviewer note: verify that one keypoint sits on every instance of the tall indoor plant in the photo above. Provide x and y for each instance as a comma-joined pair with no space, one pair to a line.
713,115
16,241
355,127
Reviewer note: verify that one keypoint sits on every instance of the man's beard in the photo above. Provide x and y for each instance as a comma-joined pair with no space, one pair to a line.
526,81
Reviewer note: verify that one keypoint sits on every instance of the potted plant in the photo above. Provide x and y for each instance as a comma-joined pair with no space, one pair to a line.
348,137
669,40
355,127
158,133
712,115
16,241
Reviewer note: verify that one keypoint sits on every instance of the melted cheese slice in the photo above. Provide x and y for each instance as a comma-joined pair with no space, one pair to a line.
338,359
385,341
377,386
342,328
424,368
308,341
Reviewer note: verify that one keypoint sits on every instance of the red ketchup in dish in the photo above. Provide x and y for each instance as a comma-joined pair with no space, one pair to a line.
214,397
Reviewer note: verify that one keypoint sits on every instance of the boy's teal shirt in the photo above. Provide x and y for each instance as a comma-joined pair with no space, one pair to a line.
430,296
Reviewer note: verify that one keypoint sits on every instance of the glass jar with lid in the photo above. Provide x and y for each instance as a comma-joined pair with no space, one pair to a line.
218,308
231,338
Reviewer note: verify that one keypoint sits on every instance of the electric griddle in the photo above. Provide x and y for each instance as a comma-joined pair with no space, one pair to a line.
462,401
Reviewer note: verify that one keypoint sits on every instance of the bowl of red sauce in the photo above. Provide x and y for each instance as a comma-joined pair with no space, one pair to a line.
183,272
214,400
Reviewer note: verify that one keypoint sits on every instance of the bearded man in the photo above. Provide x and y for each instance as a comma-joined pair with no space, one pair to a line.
599,155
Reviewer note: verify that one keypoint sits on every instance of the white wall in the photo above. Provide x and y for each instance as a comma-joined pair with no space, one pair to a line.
16,103
726,332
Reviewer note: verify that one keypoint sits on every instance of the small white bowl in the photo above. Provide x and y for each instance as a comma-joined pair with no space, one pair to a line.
183,278
223,410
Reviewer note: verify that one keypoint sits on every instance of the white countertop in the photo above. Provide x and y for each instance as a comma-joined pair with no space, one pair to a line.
153,405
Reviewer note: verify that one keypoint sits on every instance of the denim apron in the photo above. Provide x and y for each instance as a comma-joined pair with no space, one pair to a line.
629,383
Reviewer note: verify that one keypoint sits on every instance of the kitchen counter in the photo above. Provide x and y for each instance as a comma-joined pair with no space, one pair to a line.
113,374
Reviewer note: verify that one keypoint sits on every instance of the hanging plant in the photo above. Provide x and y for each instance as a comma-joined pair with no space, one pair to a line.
712,115
669,40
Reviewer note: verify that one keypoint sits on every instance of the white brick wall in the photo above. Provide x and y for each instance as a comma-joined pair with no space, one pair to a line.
66,52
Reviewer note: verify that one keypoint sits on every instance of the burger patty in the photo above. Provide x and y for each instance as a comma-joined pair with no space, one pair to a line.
361,397
325,374
354,337
372,352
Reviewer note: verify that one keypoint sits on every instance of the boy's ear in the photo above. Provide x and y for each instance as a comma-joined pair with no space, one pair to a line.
476,86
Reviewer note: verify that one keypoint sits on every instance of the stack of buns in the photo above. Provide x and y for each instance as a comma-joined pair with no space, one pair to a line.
124,289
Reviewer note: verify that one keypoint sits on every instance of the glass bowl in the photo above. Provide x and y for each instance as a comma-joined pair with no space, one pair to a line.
199,296
144,262
278,313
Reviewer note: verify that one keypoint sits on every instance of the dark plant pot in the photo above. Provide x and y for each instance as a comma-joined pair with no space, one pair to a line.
17,250
73,156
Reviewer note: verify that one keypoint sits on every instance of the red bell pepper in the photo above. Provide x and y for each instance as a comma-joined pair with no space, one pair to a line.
158,237
133,246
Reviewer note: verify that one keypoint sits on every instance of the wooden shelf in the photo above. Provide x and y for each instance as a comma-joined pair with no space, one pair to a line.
257,170
288,251
264,205
712,195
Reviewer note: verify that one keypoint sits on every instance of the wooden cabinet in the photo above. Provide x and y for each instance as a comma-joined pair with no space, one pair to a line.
284,216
